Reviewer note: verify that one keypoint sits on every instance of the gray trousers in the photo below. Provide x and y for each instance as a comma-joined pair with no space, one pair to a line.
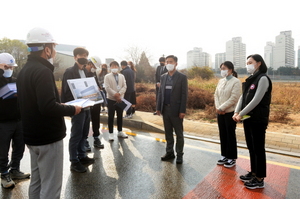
171,123
46,170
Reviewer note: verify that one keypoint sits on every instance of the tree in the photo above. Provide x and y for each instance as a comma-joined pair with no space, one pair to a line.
134,54
17,49
204,72
145,72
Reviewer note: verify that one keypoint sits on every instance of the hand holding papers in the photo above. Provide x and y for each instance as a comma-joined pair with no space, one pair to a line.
85,89
245,117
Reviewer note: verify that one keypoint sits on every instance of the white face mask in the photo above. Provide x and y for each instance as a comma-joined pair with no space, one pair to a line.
224,73
51,61
8,73
170,67
250,68
114,70
93,70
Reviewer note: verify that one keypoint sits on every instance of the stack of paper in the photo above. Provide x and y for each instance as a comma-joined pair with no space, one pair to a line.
81,102
8,91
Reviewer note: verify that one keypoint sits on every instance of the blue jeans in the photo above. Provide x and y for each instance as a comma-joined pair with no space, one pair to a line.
11,131
79,131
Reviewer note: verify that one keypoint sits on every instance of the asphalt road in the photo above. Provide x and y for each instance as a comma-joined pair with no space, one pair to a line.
131,168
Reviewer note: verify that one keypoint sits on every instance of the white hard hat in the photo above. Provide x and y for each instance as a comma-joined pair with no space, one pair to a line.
8,59
39,36
96,61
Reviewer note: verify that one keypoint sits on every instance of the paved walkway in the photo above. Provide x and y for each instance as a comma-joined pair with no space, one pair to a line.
275,142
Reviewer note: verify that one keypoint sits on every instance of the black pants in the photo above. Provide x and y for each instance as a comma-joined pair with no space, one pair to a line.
173,123
128,97
95,118
11,131
112,108
227,128
255,138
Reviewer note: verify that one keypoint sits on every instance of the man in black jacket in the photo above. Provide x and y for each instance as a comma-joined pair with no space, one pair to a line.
161,69
94,64
43,116
171,103
81,122
129,78
10,128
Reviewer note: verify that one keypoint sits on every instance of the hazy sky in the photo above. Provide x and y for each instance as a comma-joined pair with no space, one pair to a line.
160,27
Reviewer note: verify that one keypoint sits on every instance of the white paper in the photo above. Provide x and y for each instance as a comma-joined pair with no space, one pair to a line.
85,88
81,102
128,104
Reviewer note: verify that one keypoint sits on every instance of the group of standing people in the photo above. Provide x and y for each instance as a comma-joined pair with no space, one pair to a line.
252,107
42,111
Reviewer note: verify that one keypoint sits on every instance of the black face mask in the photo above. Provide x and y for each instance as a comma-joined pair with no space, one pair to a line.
162,64
82,61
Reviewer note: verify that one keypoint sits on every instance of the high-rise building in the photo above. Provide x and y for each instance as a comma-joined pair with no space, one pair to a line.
236,52
219,59
284,54
298,65
268,54
198,58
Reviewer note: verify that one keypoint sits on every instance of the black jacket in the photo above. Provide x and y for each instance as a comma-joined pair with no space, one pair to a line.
9,109
261,112
70,73
178,96
129,77
159,71
41,111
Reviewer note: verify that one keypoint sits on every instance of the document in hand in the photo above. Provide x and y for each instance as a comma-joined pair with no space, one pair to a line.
8,91
81,102
85,88
125,105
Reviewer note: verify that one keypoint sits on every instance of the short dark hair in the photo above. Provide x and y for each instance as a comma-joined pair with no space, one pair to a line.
263,67
173,57
80,51
114,63
230,66
124,63
162,59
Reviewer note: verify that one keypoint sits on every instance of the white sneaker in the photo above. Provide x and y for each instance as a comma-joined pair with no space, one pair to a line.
128,116
122,134
111,136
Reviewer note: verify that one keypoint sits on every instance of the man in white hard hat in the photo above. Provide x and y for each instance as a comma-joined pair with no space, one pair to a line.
43,116
10,125
92,66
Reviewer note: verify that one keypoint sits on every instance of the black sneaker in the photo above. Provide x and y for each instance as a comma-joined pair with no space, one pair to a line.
179,159
168,156
78,167
222,161
86,160
87,146
6,181
17,174
229,163
98,144
247,177
254,183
